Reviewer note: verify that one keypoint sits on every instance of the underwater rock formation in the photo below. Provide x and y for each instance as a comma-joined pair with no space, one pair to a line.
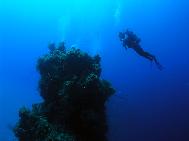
74,99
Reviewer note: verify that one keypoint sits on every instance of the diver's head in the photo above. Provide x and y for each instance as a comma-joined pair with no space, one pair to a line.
121,35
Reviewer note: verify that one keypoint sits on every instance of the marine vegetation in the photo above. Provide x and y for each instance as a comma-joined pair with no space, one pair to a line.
74,97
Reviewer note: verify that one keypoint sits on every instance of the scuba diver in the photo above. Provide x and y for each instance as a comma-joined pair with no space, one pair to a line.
130,40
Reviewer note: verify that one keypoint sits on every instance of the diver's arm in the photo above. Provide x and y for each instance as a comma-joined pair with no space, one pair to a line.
124,43
125,46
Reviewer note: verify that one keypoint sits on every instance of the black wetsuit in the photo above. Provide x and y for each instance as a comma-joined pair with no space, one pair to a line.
132,41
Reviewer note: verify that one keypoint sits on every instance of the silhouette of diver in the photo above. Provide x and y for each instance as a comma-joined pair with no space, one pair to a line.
130,40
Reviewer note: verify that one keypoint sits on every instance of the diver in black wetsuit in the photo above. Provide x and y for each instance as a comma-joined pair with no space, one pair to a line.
130,40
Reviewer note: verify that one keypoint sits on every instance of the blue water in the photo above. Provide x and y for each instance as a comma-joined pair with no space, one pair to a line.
149,105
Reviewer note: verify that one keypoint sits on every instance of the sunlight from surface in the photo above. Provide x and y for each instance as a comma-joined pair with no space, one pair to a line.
86,18
76,20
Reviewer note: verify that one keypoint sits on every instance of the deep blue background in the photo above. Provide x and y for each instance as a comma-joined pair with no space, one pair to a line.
150,105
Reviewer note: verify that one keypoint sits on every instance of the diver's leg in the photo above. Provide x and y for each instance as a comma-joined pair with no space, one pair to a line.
160,67
142,53
147,55
153,58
